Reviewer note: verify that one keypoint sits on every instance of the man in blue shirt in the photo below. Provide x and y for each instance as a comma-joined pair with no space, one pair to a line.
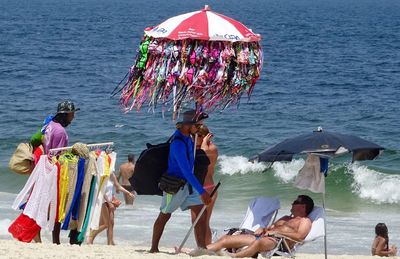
180,164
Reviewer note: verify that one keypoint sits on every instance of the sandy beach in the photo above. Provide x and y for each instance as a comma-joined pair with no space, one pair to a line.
14,249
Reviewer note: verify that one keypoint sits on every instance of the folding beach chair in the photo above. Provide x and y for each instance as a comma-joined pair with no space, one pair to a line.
317,216
261,212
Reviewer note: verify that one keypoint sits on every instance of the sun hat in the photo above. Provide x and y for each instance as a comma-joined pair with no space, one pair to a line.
80,149
191,117
66,107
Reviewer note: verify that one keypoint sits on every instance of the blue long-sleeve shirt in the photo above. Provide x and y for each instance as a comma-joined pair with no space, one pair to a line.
178,163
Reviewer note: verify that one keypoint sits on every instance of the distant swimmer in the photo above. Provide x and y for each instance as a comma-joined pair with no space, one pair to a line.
126,172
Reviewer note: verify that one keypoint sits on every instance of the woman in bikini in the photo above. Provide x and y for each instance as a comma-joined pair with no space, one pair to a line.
380,246
205,143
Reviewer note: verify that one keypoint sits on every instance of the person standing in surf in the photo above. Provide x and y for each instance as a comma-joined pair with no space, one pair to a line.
126,172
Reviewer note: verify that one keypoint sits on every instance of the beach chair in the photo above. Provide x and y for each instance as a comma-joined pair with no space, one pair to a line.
317,216
261,212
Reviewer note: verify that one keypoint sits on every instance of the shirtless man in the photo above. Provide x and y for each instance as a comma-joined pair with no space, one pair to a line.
296,227
126,172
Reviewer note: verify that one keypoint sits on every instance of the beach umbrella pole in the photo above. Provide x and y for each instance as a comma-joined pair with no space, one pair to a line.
197,219
325,243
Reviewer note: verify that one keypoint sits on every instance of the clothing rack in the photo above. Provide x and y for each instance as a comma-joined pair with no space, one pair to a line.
95,145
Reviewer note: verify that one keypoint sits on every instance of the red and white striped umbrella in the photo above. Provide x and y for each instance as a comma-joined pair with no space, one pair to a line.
203,25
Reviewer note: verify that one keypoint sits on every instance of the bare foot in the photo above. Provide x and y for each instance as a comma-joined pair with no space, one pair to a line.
201,251
154,250
89,240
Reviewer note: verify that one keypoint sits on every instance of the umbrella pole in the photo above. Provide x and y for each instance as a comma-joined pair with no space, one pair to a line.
178,250
325,243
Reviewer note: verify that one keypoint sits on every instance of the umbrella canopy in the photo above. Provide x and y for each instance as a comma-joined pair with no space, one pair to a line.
200,57
203,25
323,143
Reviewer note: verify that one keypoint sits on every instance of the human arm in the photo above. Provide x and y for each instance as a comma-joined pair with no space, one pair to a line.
119,174
178,152
378,248
299,235
119,187
262,230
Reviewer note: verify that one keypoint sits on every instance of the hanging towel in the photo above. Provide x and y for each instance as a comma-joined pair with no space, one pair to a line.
310,176
76,200
42,202
92,193
90,171
103,166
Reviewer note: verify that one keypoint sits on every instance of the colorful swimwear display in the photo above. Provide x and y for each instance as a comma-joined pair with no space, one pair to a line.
212,74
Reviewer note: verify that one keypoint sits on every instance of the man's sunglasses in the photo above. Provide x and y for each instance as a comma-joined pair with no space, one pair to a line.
297,202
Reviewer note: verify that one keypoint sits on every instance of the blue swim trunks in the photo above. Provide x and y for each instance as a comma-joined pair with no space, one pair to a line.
182,199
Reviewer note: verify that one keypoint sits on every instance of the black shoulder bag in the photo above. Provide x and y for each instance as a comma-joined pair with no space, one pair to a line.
169,183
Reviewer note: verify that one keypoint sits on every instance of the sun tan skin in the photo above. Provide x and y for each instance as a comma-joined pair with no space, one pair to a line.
125,172
211,151
295,227
378,247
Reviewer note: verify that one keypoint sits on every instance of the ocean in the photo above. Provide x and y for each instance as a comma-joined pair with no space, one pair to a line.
334,64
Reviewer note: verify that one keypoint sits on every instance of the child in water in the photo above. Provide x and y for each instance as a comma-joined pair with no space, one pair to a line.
380,246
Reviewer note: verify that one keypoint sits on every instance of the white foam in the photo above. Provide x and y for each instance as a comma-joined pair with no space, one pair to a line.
238,164
287,171
373,185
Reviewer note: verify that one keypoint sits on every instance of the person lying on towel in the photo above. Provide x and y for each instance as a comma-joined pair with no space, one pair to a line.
295,227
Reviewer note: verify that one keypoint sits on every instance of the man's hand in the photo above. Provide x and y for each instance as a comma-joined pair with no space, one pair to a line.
205,197
259,231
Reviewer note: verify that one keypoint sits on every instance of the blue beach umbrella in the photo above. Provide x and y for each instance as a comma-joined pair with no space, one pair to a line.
325,145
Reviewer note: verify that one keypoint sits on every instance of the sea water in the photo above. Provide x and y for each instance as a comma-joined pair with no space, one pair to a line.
333,64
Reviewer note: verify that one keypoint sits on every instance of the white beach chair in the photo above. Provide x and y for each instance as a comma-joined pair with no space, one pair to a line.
317,216
261,212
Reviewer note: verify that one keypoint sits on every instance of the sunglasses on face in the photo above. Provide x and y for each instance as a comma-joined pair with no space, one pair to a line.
296,202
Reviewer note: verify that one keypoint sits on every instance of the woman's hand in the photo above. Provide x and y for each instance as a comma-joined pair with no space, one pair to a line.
208,137
393,250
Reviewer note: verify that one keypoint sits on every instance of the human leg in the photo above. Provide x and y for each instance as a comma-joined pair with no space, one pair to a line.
236,241
208,213
103,224
110,229
128,200
200,228
56,233
261,245
158,229
37,238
